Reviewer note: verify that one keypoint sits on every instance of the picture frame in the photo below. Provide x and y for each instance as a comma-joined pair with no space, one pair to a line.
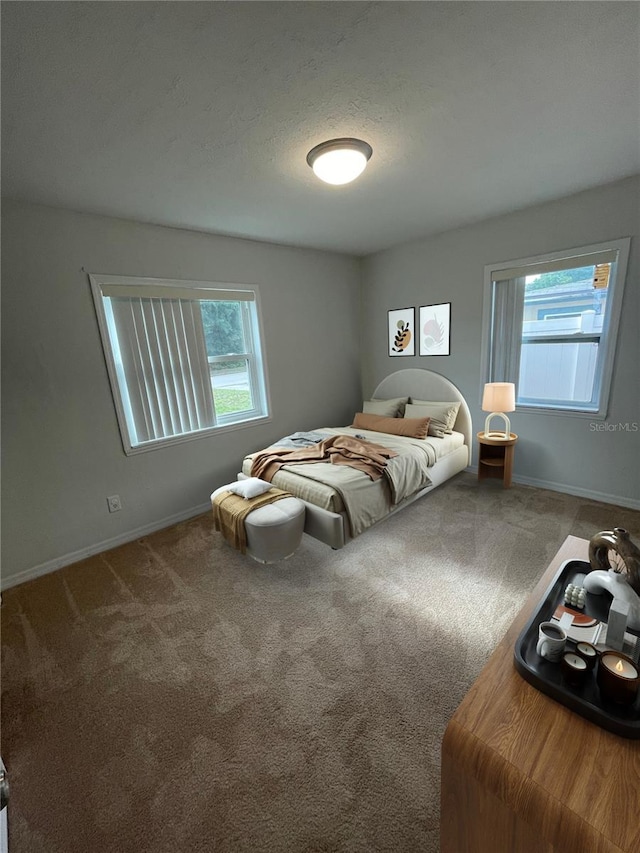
434,329
401,331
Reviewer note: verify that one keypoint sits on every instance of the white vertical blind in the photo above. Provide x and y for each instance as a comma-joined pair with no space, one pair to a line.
508,340
155,335
507,312
164,359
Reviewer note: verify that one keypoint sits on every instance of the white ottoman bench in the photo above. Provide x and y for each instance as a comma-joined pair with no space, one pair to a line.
274,531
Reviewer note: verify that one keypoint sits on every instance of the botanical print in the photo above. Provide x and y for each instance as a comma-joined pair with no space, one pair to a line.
401,335
435,329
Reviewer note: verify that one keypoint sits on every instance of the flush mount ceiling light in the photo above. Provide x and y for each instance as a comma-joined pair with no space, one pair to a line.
339,161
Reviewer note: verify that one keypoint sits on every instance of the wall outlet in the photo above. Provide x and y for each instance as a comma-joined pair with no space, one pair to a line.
114,504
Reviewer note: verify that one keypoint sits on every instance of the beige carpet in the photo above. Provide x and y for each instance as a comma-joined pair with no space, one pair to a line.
171,695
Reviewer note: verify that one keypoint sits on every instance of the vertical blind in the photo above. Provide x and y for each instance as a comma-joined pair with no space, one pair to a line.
550,345
507,308
156,335
162,354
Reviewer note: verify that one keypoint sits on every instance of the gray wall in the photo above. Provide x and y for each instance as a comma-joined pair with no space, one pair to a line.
61,448
556,451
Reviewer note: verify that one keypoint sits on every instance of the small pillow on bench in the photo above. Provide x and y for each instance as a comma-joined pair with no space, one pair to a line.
249,488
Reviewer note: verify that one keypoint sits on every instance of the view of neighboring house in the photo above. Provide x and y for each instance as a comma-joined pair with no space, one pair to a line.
561,328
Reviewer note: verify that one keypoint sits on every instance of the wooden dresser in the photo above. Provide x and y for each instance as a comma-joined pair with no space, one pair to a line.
523,774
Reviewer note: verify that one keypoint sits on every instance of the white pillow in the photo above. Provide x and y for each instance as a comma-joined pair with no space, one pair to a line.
393,408
384,408
443,415
250,488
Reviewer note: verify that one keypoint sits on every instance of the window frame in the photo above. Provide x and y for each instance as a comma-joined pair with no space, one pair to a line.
256,359
607,338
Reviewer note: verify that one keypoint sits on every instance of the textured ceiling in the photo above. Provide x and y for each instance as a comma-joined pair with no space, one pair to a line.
200,114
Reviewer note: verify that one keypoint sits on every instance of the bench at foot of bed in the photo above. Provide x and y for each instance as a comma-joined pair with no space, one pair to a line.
273,532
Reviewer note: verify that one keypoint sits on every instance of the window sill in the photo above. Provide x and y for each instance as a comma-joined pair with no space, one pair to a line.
530,409
161,443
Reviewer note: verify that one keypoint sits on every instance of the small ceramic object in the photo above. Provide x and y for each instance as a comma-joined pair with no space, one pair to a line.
617,585
619,541
575,596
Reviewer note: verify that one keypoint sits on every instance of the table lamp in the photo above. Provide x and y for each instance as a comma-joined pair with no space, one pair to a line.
498,398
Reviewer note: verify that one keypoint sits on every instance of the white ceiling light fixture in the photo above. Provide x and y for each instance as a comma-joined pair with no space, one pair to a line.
339,161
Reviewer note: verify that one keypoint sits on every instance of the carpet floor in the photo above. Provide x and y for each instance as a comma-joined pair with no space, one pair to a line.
172,695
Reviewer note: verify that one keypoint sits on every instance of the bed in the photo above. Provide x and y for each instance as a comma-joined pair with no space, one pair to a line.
342,502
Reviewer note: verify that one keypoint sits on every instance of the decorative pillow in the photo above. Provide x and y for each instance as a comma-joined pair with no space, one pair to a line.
385,408
443,415
249,488
399,402
411,427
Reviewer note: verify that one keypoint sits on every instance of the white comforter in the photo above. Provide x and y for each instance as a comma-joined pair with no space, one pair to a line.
367,501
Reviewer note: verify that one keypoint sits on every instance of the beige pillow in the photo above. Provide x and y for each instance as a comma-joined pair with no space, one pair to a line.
386,408
411,427
442,415
400,403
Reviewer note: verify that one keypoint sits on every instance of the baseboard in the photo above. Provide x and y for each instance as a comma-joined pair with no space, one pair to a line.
99,547
130,536
576,491
603,497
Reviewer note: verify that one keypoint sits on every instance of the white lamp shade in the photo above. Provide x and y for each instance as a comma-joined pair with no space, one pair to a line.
339,161
499,397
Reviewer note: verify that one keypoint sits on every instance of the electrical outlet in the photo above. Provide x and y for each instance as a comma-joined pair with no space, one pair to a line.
114,504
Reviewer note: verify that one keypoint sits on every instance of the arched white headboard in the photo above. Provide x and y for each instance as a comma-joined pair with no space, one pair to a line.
427,385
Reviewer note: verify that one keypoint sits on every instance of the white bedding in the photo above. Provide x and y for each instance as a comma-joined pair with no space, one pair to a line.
339,488
326,515
448,444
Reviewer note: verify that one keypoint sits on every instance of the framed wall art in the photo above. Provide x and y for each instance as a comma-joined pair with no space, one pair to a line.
402,339
434,329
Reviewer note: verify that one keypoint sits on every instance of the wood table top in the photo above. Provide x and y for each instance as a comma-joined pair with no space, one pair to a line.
577,782
500,441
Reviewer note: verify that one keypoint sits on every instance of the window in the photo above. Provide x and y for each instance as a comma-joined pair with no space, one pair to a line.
550,326
184,358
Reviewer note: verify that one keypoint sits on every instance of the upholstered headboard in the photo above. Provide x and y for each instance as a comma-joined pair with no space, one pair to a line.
426,385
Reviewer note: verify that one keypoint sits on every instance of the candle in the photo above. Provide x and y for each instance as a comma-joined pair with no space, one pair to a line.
573,668
618,678
620,667
588,653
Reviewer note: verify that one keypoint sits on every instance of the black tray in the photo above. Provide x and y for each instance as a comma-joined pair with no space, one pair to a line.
546,676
